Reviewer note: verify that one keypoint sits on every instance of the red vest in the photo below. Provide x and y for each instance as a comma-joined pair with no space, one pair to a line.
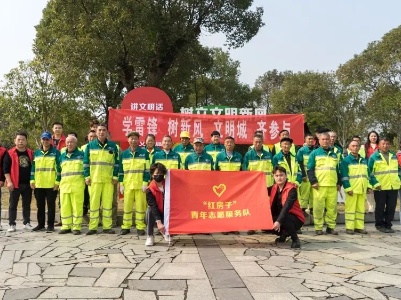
2,152
14,172
61,143
158,195
295,209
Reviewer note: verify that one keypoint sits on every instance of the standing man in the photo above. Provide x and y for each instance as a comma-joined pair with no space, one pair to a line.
17,164
2,178
354,176
72,185
277,146
150,145
287,160
324,177
58,139
134,177
169,158
335,145
228,160
199,160
305,190
385,176
90,137
185,148
45,180
101,174
214,147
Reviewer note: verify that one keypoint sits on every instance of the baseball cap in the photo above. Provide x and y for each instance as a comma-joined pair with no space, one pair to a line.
198,140
184,134
46,135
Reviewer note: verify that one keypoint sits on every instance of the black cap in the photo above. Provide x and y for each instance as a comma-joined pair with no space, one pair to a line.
215,133
286,140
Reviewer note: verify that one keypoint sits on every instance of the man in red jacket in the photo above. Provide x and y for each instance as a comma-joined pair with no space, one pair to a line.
286,213
58,139
17,164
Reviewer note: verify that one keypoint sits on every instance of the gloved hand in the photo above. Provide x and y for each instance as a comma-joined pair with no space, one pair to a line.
122,189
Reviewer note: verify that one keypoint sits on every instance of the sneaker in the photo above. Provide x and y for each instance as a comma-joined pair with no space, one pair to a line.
319,232
49,229
250,232
168,238
140,232
124,231
363,231
296,244
389,230
350,231
28,226
109,231
150,241
38,228
76,232
64,231
91,232
331,231
12,228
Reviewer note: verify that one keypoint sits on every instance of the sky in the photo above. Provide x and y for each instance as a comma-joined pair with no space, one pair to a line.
316,35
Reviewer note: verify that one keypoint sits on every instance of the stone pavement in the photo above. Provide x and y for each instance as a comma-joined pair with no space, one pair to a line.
52,266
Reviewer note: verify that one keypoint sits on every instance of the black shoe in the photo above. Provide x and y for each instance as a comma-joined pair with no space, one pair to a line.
139,231
331,231
250,232
64,231
109,231
39,228
389,230
363,231
281,239
124,231
50,229
234,232
296,244
299,231
319,232
381,229
349,231
76,232
225,233
90,232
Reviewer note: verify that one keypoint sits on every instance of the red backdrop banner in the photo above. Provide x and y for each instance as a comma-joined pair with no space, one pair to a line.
241,127
210,201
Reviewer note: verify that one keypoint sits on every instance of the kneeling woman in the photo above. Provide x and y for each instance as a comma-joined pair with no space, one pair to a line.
286,212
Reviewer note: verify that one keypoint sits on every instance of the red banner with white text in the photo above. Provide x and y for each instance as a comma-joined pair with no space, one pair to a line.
209,201
240,127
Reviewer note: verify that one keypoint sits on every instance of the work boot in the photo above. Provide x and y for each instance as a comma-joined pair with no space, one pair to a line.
76,232
91,232
124,231
250,232
319,232
349,231
281,239
362,231
331,231
109,231
64,231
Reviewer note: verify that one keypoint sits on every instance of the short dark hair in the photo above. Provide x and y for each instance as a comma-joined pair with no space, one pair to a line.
92,131
133,133
385,139
279,169
58,123
215,132
102,125
158,166
168,136
308,134
229,138
151,135
94,122
73,133
257,135
23,133
284,130
356,137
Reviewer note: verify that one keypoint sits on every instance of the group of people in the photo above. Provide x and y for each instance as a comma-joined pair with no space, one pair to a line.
88,177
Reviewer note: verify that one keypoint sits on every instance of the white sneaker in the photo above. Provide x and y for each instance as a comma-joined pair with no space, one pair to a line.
28,226
150,241
168,238
12,228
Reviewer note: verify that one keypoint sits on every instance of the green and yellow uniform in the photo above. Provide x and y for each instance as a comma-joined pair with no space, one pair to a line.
259,161
228,163
294,173
305,192
195,161
214,149
183,151
171,160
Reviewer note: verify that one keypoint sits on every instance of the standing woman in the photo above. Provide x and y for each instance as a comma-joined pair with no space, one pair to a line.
371,146
150,146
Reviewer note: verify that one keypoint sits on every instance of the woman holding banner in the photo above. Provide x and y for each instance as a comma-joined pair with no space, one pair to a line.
286,213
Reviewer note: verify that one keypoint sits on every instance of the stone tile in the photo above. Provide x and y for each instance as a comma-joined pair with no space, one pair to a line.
273,296
129,294
378,277
6,260
118,259
233,294
58,270
81,292
24,293
342,290
170,293
224,279
187,258
274,285
199,290
112,277
368,292
181,271
87,272
81,281
175,297
159,285
37,245
20,269
145,265
314,276
248,269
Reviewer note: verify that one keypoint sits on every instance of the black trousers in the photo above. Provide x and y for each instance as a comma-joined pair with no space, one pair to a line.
43,196
86,201
386,201
25,191
150,221
289,226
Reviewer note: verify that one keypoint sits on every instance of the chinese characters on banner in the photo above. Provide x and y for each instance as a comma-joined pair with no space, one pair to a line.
241,127
207,201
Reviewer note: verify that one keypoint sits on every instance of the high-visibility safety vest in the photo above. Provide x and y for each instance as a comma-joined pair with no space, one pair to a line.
303,157
134,168
294,174
387,175
323,167
259,162
101,162
214,149
277,148
354,174
152,152
171,160
45,171
72,171
195,161
184,151
225,163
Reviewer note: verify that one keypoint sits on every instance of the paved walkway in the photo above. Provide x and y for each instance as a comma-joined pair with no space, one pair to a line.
52,266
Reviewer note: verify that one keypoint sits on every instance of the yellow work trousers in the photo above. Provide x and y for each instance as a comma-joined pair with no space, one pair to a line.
355,211
325,198
305,195
71,210
138,198
101,192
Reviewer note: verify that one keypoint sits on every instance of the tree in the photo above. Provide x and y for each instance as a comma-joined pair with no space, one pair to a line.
117,45
32,101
